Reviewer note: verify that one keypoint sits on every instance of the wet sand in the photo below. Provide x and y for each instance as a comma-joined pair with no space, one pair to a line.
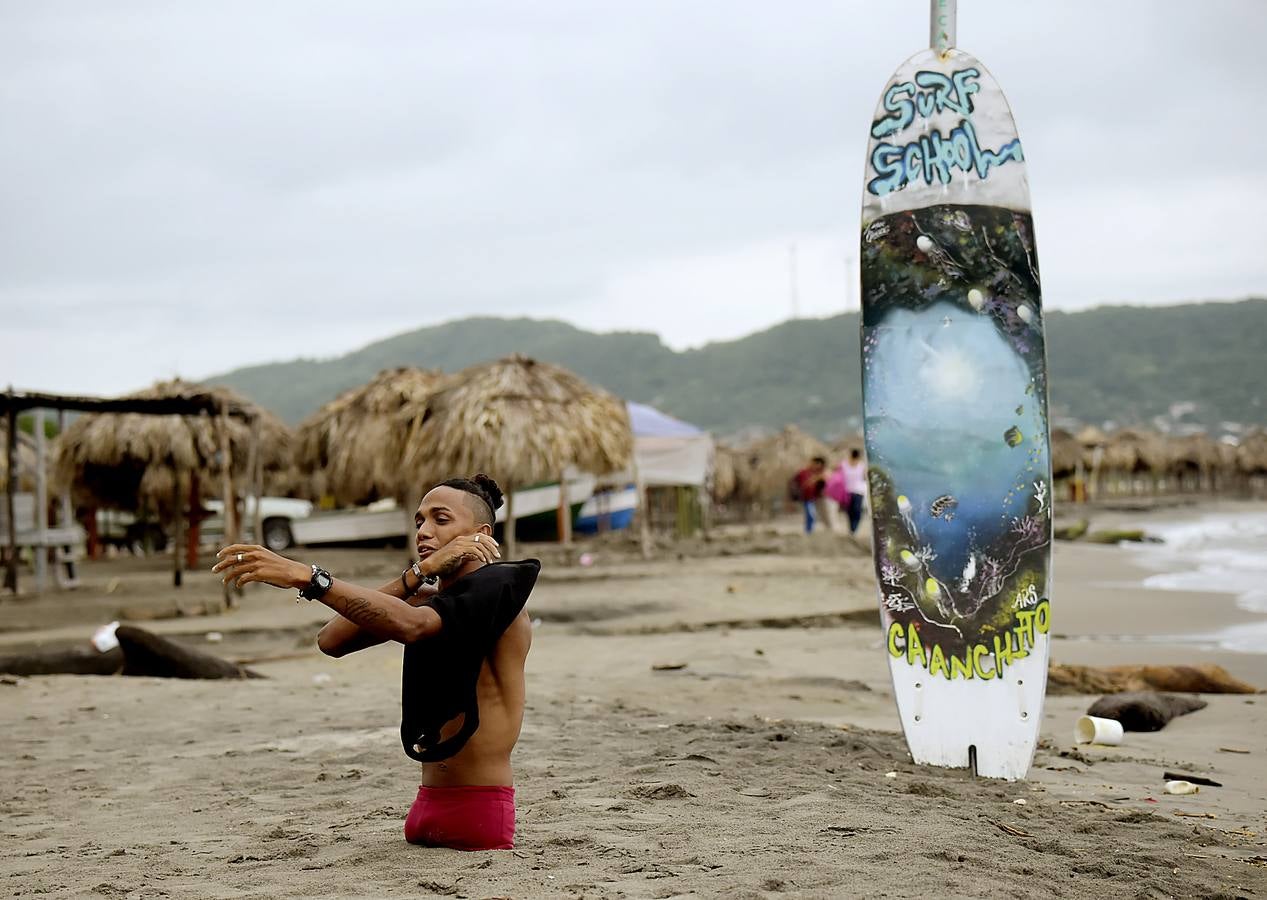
758,768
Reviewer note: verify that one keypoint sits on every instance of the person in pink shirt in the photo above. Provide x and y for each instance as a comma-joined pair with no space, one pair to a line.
855,472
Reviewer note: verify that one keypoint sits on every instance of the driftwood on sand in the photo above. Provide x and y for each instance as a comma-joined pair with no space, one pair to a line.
78,660
139,652
145,653
1145,710
1202,679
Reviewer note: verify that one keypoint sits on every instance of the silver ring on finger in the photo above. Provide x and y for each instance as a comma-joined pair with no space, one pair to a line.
477,538
239,557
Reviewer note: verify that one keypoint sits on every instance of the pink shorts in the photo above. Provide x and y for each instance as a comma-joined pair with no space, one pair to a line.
468,817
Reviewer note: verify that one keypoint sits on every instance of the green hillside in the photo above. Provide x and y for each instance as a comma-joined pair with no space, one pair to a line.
1126,364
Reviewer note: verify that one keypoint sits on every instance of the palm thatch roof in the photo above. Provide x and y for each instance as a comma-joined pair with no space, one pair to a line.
1131,450
26,460
772,461
353,447
1251,455
1066,452
1090,436
1227,456
130,460
1194,452
724,480
518,420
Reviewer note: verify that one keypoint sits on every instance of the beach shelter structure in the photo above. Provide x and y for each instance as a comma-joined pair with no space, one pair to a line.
1195,461
669,452
25,459
1066,453
670,458
772,461
165,446
724,476
522,422
1251,458
352,449
1134,454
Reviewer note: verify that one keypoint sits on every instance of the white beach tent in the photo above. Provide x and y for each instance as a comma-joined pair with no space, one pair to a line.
668,451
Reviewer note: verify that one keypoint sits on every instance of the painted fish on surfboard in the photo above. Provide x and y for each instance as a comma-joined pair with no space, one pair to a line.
955,400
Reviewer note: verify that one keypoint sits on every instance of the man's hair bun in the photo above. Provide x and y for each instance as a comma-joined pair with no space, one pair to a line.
491,490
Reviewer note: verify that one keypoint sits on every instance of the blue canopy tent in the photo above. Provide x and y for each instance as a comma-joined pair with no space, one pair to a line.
667,453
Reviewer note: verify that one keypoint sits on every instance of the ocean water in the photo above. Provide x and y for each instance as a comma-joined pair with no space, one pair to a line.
1223,552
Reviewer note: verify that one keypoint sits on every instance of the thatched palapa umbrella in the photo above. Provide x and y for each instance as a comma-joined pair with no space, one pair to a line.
26,459
1251,454
775,459
521,422
1132,452
354,447
1066,453
1194,459
1090,437
723,481
133,461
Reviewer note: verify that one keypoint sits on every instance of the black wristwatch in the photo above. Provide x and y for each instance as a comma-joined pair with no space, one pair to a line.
317,585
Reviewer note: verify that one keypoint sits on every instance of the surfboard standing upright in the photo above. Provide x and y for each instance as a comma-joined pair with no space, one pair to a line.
955,397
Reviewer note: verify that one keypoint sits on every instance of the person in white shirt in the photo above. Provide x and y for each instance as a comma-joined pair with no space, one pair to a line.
855,472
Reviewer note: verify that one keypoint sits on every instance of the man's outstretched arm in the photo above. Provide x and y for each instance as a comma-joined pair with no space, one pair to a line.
376,616
341,636
380,615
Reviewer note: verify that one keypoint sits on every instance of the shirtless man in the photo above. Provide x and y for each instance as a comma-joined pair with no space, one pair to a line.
456,613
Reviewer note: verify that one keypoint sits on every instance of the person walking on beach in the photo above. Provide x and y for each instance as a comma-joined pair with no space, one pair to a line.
459,612
855,474
809,483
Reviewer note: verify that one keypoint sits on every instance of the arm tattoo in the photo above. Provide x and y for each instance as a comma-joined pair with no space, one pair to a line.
361,612
450,566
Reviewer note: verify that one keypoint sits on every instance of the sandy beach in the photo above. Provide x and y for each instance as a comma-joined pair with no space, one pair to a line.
757,766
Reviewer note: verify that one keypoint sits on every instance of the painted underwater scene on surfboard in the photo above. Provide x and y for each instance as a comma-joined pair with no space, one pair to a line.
955,405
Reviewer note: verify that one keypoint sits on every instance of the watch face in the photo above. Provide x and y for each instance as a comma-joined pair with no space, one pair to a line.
324,580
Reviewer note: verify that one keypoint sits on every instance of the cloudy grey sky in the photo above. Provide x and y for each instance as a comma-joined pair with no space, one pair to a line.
189,187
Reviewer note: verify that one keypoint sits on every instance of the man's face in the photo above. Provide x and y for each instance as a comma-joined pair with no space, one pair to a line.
444,514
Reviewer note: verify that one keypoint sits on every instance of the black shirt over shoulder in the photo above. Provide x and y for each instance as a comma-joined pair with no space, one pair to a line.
441,672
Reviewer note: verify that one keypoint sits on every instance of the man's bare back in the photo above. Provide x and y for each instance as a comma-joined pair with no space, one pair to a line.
486,757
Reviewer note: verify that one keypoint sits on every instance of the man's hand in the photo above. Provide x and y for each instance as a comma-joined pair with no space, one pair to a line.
243,563
457,552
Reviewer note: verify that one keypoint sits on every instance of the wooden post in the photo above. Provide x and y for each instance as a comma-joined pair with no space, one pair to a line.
255,468
229,499
178,528
66,515
232,533
195,522
643,512
41,506
604,504
11,449
508,533
93,535
565,511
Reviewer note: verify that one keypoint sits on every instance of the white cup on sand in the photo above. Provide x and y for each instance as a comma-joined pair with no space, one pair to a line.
1094,730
